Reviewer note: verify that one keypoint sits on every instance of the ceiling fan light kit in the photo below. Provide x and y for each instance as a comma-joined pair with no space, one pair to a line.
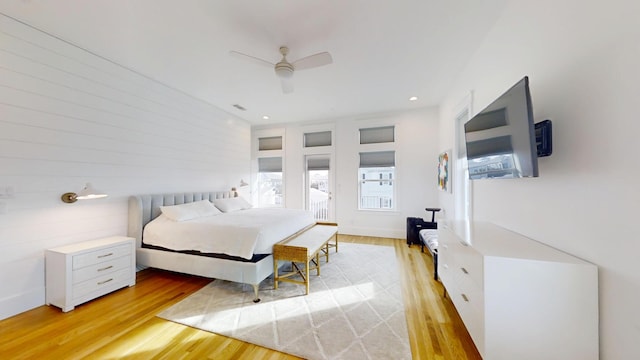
285,69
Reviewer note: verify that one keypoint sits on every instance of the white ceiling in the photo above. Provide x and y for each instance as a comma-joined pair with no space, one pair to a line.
383,51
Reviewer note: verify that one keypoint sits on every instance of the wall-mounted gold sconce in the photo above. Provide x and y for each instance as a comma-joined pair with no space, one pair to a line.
89,192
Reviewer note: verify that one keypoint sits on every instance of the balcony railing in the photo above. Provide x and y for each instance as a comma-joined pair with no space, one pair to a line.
320,209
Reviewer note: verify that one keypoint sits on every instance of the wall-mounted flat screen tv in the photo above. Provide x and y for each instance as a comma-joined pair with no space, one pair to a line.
501,139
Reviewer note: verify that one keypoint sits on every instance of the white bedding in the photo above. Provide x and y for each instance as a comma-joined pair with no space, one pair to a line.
239,233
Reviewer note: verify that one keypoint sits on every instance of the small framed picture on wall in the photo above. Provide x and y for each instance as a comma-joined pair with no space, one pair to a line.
444,171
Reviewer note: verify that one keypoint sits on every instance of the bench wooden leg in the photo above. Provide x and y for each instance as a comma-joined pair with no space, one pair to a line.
326,246
275,274
306,280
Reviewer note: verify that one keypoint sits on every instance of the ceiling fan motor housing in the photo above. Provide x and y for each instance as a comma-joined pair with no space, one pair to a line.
284,69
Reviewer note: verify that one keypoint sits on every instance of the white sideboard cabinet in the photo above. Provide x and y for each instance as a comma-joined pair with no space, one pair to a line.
518,298
81,272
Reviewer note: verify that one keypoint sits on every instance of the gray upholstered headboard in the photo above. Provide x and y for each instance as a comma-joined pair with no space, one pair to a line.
144,208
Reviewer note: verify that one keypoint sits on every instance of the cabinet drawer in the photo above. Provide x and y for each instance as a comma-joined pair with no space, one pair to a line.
473,320
103,268
106,281
101,255
469,262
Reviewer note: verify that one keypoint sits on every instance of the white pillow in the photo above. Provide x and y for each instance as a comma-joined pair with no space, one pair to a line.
231,204
190,211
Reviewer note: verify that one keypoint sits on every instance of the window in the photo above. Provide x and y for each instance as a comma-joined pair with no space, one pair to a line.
378,135
270,192
270,143
377,177
314,139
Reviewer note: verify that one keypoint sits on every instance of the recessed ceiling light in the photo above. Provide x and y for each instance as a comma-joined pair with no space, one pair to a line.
413,98
265,117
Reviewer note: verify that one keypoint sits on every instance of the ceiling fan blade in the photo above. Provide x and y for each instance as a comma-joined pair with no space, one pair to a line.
312,61
253,59
287,85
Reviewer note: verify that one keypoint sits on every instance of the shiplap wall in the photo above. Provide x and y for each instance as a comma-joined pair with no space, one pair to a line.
68,117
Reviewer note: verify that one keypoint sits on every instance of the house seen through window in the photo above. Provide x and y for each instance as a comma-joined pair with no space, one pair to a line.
376,176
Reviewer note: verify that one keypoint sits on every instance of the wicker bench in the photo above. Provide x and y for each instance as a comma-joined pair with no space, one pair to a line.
304,247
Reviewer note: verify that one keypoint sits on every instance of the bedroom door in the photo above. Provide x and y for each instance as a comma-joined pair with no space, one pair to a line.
319,186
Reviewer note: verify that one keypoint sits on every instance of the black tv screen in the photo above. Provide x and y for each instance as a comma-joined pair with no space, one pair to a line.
501,139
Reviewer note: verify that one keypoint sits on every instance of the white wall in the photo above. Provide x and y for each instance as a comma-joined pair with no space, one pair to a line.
582,60
68,117
416,170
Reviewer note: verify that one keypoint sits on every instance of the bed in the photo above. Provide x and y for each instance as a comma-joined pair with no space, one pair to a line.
243,267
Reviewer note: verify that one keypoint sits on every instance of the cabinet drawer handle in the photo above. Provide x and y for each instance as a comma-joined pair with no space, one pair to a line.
106,268
104,282
105,255
465,298
464,270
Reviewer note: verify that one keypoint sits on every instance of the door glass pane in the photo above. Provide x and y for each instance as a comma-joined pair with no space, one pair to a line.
318,185
270,182
319,193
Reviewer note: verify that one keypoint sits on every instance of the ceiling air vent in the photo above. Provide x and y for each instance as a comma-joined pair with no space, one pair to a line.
239,107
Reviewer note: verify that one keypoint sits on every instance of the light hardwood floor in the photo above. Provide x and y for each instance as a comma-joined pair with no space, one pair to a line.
123,325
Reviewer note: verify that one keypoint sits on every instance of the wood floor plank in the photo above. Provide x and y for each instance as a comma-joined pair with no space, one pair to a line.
123,324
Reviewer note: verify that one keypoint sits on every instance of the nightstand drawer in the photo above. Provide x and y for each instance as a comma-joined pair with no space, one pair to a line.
103,268
107,281
100,256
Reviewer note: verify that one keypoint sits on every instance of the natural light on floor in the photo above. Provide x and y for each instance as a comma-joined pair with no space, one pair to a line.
365,292
149,341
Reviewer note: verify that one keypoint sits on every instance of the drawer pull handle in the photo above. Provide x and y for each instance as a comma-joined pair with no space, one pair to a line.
464,270
106,268
104,282
465,298
105,255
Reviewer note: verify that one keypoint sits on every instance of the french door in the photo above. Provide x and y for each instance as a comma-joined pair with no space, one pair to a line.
319,187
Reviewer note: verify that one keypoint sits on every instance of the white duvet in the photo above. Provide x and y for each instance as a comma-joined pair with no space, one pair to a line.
240,233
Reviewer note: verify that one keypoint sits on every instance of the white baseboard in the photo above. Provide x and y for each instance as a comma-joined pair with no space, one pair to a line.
21,302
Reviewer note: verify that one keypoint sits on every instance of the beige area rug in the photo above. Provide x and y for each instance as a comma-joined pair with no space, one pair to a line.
354,309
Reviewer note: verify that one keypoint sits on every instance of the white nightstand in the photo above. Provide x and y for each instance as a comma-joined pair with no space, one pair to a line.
81,272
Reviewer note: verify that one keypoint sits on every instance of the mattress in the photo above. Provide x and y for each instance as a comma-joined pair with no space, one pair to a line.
240,233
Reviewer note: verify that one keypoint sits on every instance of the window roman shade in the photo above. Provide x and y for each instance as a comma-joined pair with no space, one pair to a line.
377,159
270,164
270,143
377,135
314,139
318,164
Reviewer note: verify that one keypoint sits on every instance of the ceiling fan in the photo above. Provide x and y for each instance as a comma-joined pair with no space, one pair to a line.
285,69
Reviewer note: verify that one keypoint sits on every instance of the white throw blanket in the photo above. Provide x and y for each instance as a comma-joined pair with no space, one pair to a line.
239,233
